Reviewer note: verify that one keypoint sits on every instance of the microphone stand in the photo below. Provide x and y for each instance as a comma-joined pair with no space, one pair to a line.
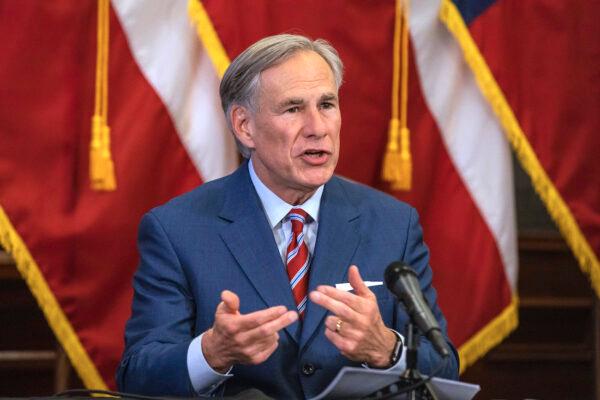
412,376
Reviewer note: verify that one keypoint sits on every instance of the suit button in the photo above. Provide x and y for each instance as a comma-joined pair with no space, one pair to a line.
308,369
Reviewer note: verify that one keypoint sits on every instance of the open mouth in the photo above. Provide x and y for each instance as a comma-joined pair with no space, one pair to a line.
316,157
314,153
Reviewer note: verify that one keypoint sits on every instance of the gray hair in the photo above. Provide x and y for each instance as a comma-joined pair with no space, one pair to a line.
242,78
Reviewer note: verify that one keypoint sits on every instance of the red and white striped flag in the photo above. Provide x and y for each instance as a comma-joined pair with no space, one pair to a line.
537,65
75,246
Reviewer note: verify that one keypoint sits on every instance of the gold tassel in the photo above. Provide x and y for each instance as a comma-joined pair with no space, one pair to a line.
405,181
102,173
391,159
397,161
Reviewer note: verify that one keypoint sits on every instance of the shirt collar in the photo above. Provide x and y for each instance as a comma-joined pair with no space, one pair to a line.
276,208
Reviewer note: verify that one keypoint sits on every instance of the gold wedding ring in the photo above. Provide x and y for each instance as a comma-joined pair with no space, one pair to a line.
338,325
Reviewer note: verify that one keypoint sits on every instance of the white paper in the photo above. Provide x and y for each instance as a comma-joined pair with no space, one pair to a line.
346,287
355,383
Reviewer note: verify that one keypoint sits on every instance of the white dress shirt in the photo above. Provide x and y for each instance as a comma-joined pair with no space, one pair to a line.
204,379
276,211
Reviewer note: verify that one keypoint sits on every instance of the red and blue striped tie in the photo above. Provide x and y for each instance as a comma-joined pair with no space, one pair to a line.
298,259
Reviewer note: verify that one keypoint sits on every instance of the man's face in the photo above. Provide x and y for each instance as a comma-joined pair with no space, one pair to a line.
295,130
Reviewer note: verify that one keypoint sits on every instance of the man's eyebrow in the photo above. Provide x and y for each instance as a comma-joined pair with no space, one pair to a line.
294,101
297,101
329,97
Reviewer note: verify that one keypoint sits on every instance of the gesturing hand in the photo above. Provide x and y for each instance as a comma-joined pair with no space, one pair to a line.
356,328
243,339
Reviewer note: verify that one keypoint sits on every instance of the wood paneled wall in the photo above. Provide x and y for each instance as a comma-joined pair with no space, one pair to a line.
553,354
32,363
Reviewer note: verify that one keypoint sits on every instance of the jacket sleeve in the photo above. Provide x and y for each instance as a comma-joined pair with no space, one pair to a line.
159,332
416,255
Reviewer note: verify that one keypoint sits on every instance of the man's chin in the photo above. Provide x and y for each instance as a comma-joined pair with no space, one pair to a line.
314,179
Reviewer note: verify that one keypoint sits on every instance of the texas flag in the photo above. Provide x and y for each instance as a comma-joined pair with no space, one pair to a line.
537,64
75,246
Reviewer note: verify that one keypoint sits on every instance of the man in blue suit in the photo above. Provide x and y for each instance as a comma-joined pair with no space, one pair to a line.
252,280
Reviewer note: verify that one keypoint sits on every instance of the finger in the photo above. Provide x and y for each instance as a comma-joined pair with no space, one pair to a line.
258,345
270,328
230,301
262,356
350,299
246,352
332,323
357,283
346,330
261,317
335,306
342,344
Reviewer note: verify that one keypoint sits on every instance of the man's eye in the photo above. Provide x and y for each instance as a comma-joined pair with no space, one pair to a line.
293,109
327,105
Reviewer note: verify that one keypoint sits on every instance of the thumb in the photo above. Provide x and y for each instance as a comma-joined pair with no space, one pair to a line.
230,303
357,283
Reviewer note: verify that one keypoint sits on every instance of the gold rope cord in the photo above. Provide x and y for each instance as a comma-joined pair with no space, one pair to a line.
102,173
397,161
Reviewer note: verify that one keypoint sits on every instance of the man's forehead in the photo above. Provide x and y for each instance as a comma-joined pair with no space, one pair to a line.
299,65
303,54
302,73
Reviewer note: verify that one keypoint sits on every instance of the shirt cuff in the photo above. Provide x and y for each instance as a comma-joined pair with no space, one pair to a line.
204,379
400,365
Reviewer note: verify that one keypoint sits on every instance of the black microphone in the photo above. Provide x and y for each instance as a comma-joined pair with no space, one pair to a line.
402,281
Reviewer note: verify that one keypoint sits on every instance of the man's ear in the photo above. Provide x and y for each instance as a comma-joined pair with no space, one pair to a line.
241,122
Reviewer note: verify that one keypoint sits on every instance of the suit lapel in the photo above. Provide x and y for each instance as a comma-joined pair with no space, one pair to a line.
337,240
250,240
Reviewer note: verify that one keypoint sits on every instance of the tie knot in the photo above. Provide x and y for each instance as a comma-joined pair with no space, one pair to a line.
297,217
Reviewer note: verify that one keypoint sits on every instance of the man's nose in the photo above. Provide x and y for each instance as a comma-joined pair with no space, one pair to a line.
314,124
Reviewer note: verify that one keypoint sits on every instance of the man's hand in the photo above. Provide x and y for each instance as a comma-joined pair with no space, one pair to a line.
243,339
356,328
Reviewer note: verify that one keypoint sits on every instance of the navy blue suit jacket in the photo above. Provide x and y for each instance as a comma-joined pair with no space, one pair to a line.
217,237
